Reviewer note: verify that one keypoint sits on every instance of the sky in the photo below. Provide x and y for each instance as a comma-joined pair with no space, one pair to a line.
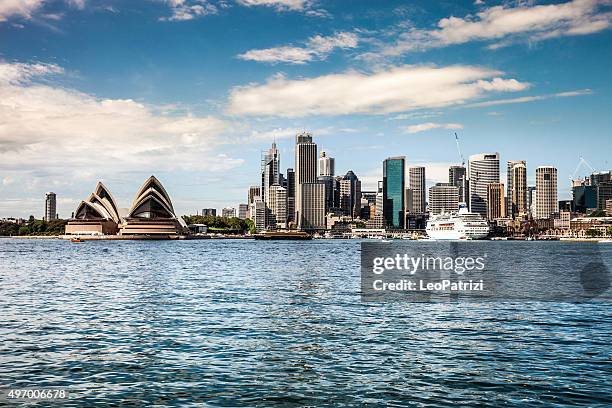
193,90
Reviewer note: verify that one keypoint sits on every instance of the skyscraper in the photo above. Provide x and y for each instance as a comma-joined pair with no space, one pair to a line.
278,206
270,170
531,193
50,206
546,192
394,169
326,165
305,172
417,186
350,194
443,198
496,203
516,197
290,195
457,177
254,191
483,169
313,206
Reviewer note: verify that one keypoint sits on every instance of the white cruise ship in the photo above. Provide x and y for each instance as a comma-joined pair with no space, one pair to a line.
462,225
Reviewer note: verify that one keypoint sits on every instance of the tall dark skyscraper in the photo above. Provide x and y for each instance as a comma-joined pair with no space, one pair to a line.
394,171
457,177
305,170
290,195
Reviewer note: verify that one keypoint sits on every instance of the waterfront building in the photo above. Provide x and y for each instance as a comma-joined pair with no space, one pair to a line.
326,165
98,215
228,212
313,206
152,213
546,192
443,198
609,208
278,207
209,212
394,170
306,173
243,211
50,206
270,171
496,203
290,195
457,177
416,178
254,191
516,188
483,169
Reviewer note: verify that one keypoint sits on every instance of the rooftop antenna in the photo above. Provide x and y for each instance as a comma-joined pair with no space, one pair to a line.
459,150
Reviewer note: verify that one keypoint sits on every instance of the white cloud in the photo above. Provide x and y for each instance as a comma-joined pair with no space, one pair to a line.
51,127
296,5
20,8
183,10
423,127
524,99
27,8
316,48
505,24
397,89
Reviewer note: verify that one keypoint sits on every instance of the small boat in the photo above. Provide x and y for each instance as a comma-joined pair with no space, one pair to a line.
76,240
605,241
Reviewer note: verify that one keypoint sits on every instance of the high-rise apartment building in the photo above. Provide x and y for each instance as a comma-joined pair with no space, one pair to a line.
496,203
50,206
546,192
313,206
457,177
416,176
394,170
305,172
531,199
259,214
483,169
209,212
516,194
228,212
243,211
443,198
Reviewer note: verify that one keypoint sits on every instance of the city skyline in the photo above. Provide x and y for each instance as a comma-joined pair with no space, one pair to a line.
116,91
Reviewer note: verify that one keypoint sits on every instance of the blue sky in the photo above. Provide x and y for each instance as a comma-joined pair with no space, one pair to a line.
193,90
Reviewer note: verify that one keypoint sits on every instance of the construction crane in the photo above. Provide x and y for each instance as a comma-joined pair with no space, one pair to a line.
580,163
459,150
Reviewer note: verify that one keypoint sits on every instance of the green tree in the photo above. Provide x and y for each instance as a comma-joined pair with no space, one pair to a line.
609,231
591,232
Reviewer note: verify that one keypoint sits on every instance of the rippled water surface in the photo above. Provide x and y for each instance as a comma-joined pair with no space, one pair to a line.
245,323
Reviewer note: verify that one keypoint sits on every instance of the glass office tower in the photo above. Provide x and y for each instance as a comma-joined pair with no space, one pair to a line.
393,191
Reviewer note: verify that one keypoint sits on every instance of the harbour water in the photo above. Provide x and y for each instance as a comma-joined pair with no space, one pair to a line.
256,323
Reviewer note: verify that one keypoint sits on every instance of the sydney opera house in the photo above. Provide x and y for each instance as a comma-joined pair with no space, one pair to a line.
151,215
